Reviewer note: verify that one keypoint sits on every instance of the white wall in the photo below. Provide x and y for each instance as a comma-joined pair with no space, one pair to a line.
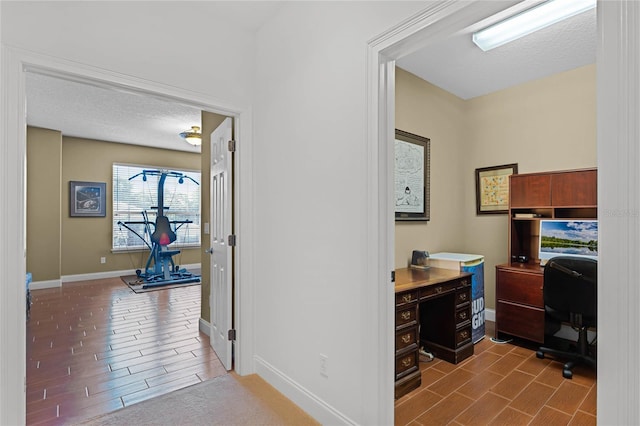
146,40
309,183
310,201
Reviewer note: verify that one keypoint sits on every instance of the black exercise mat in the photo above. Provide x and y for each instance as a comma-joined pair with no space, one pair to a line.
136,283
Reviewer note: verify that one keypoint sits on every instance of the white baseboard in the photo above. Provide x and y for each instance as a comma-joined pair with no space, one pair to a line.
204,327
490,315
109,274
312,404
41,285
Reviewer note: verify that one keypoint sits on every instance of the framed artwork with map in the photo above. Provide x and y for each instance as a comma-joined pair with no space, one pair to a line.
411,176
492,188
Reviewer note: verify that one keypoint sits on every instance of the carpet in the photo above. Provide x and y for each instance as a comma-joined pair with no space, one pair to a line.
136,283
224,400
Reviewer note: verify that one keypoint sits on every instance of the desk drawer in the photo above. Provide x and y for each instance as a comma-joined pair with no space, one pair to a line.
438,289
406,316
463,315
519,320
463,336
463,297
520,288
406,338
406,297
406,364
465,282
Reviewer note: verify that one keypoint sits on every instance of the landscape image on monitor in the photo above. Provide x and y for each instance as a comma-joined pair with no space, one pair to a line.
568,238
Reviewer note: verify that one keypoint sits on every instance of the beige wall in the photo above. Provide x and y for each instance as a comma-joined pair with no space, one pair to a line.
210,122
428,111
548,124
83,240
44,168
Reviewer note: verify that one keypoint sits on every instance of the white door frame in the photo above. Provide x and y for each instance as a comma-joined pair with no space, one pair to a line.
618,104
14,63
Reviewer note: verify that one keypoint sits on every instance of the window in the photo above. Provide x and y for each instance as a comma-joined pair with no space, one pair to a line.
132,199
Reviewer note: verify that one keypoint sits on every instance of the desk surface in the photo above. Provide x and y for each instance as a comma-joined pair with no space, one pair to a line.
532,268
410,278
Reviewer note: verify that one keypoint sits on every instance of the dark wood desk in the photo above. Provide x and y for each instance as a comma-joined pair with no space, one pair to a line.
433,310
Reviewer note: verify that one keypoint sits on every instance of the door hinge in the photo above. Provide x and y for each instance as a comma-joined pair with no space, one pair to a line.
393,276
232,334
232,146
232,240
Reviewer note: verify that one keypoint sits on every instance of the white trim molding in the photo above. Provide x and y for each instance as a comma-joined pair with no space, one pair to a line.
437,20
204,326
618,124
490,315
13,241
314,405
42,285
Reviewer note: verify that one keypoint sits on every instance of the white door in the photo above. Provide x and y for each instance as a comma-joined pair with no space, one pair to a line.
221,250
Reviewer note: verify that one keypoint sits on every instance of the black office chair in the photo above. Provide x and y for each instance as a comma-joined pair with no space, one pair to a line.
570,296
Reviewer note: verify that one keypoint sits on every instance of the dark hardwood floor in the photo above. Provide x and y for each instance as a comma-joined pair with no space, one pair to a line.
96,346
501,384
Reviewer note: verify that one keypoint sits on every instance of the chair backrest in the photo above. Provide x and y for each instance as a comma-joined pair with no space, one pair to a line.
570,285
163,234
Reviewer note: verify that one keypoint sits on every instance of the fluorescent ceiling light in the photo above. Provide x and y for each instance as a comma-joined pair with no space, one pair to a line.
529,21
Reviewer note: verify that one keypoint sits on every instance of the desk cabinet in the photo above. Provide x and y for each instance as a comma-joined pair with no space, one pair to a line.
407,369
519,302
563,194
433,310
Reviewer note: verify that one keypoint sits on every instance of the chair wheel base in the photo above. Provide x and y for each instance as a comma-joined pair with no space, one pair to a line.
567,374
540,354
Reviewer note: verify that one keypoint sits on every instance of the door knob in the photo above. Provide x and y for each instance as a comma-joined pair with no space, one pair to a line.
209,250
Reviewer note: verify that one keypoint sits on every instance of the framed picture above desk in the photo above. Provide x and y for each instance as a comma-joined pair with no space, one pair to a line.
412,157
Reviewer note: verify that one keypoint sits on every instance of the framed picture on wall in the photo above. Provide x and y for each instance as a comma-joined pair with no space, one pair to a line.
411,176
492,188
87,199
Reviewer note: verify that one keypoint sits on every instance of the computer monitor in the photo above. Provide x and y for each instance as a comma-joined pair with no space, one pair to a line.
568,237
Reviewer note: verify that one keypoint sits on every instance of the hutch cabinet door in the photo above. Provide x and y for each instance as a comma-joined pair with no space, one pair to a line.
530,191
575,189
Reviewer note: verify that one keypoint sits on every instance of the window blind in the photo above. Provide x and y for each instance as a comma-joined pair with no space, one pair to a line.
136,197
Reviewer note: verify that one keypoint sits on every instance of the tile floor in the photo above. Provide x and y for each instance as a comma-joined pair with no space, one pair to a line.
501,384
96,346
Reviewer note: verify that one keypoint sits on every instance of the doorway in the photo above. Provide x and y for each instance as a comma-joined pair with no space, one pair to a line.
171,95
617,91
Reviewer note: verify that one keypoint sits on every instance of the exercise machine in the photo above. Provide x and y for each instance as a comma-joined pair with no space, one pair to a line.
160,268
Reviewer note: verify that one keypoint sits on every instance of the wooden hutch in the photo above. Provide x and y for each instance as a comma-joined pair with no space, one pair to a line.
535,196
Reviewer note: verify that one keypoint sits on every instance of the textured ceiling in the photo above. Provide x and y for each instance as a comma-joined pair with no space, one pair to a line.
458,66
91,112
454,64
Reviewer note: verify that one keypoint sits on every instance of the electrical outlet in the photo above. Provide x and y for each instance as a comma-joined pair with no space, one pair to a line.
324,365
103,260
